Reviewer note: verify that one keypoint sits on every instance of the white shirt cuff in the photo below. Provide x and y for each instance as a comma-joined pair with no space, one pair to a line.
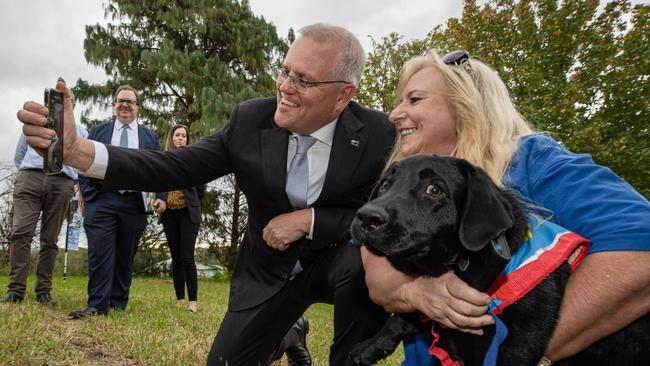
310,234
98,168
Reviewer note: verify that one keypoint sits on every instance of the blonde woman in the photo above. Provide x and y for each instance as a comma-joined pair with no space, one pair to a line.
458,106
181,221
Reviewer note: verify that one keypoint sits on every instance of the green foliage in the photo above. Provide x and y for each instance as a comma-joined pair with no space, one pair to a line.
576,71
382,70
192,60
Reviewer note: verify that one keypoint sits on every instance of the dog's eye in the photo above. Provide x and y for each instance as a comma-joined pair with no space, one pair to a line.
433,190
382,186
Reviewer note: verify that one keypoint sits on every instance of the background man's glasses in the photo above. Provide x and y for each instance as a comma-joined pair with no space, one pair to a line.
280,74
126,101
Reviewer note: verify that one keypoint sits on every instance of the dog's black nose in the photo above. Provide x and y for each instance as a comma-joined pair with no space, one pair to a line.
371,217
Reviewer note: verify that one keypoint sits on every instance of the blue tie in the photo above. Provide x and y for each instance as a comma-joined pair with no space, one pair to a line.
124,137
298,174
124,142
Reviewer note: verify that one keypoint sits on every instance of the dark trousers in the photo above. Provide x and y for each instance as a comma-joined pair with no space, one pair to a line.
34,192
113,223
181,234
336,277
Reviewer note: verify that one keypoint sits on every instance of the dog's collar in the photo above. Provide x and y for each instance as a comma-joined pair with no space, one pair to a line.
500,246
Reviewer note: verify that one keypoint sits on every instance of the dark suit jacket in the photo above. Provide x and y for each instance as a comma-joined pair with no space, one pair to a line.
253,148
193,197
104,133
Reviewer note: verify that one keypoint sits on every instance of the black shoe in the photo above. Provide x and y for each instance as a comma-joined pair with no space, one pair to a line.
88,311
294,345
297,352
11,297
45,299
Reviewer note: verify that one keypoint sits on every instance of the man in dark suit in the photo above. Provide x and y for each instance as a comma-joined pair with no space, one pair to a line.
115,220
295,251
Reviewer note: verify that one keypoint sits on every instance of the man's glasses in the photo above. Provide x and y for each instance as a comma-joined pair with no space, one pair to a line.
126,101
280,74
460,58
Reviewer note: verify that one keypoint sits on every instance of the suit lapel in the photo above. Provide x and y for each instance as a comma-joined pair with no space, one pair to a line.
274,159
106,133
142,141
347,148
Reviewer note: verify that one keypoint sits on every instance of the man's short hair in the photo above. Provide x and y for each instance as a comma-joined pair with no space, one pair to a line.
351,60
127,87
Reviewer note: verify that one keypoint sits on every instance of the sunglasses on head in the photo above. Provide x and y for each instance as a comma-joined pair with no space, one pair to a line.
460,58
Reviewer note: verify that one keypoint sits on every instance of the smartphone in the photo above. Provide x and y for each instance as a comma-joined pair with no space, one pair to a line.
53,159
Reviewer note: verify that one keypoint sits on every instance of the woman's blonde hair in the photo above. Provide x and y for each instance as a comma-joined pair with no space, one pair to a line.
488,124
169,144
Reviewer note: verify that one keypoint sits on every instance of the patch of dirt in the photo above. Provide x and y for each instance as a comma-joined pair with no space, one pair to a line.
88,344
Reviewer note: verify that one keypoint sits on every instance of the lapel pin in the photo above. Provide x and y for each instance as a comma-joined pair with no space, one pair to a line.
354,142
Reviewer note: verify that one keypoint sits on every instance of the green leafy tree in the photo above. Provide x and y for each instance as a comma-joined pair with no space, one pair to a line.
192,61
382,70
574,69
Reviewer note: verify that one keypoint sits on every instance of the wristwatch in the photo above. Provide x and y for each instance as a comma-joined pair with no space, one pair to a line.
544,361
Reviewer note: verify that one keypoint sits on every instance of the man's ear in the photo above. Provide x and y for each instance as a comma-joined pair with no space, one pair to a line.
486,214
345,96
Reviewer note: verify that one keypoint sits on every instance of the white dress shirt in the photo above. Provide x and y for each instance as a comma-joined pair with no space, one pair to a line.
132,132
318,157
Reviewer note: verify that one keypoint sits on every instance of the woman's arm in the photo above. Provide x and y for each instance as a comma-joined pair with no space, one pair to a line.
607,292
445,299
611,288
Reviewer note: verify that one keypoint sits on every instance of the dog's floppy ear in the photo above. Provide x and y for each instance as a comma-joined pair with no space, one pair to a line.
486,214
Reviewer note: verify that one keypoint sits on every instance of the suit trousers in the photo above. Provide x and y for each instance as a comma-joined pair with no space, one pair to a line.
113,223
181,234
333,276
34,192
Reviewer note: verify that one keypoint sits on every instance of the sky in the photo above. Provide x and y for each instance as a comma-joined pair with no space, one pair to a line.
43,39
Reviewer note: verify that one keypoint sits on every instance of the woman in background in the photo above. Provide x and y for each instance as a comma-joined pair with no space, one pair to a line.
181,221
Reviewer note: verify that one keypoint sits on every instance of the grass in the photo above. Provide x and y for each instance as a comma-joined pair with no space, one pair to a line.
152,331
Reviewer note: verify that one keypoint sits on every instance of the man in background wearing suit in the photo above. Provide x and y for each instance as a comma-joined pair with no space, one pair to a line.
295,251
114,221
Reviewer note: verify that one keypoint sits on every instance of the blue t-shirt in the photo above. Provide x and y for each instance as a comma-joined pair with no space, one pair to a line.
584,197
574,192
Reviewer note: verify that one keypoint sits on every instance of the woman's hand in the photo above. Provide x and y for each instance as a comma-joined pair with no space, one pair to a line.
445,299
160,205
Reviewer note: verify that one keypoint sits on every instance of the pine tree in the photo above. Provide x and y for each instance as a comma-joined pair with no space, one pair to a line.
192,60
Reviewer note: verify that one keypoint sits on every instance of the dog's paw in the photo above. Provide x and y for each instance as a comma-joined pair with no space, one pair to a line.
366,354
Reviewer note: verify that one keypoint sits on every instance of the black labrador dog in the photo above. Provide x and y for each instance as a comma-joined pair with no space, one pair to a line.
430,215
